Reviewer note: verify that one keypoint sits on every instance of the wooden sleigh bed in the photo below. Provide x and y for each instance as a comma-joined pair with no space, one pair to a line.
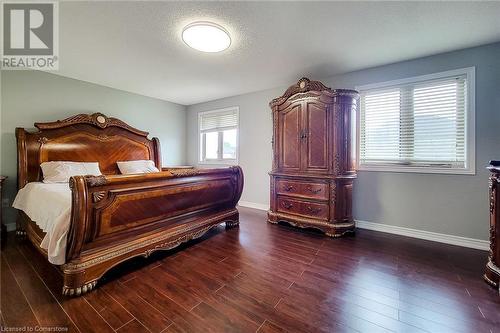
117,217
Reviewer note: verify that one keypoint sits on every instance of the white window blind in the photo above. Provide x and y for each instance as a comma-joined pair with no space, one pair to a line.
218,134
212,121
419,124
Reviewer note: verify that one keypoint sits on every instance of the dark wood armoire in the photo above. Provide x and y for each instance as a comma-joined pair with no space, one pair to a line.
492,272
313,165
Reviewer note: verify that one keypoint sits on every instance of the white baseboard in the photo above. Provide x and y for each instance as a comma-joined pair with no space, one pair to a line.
415,233
427,235
253,205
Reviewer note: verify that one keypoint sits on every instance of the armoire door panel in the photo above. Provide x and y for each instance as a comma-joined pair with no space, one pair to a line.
317,136
290,137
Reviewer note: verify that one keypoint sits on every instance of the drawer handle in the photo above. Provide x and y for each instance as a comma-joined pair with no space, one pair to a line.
289,188
287,205
315,191
313,210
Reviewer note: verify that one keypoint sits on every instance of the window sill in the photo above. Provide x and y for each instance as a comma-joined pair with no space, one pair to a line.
408,169
219,162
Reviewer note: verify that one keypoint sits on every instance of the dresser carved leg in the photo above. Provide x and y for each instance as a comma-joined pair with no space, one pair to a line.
337,232
272,218
333,234
490,281
492,275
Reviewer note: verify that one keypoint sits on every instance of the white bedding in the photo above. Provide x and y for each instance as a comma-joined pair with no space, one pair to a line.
49,206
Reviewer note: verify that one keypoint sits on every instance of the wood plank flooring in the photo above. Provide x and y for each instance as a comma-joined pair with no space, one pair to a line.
263,278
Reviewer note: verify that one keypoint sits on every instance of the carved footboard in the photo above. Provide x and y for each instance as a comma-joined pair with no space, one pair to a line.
115,218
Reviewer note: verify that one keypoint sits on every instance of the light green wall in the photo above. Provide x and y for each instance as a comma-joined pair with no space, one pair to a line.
32,96
448,204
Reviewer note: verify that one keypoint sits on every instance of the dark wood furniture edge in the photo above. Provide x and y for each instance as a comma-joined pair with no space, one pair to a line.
3,230
492,269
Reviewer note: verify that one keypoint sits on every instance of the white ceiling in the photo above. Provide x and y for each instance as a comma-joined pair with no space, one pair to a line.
137,46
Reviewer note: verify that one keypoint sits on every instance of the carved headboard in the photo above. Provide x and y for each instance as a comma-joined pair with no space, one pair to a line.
82,138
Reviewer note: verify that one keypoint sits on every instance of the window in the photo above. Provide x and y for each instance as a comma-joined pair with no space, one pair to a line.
219,136
421,124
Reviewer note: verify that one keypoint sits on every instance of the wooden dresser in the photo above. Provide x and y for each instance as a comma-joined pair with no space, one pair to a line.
492,273
3,232
313,167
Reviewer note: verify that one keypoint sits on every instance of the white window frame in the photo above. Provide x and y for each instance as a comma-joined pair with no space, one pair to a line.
220,161
470,125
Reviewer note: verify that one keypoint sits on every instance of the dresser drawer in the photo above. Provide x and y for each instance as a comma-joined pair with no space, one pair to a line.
305,208
302,189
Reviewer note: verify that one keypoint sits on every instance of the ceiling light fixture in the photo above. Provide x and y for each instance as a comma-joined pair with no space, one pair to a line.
206,37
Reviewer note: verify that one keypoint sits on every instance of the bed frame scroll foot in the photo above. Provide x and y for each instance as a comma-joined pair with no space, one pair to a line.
78,291
20,227
21,234
232,224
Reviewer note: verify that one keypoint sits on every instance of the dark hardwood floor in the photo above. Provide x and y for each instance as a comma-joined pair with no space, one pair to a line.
264,278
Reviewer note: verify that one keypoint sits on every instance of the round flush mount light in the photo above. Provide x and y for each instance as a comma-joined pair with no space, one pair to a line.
206,37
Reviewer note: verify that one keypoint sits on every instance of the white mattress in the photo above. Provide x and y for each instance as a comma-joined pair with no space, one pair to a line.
49,206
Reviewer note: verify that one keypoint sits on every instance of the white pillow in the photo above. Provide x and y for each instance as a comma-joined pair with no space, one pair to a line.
140,166
61,171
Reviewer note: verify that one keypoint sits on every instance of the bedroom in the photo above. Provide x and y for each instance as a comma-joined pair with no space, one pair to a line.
361,130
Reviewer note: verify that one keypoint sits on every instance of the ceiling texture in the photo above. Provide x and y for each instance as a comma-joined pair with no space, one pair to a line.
137,46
